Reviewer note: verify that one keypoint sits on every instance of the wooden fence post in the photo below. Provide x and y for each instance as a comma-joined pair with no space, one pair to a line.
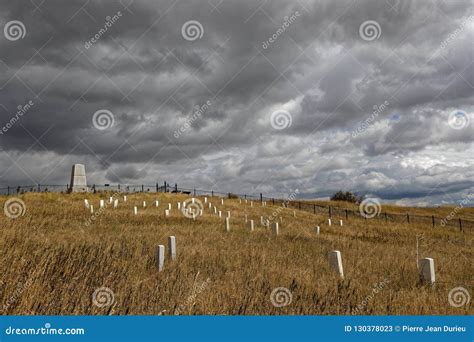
347,215
330,211
433,220
261,198
408,218
314,208
460,225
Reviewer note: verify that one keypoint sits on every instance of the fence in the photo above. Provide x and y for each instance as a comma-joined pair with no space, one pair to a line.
328,210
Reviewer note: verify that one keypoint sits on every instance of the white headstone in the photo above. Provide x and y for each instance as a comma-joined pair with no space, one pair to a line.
135,210
172,247
427,271
167,212
215,210
101,203
124,198
240,200
144,204
78,179
250,225
210,205
116,204
111,199
157,203
222,201
92,209
86,203
227,224
329,222
317,230
160,257
193,200
220,213
294,213
169,206
335,262
275,229
340,222
251,203
246,219
228,214
205,199
179,205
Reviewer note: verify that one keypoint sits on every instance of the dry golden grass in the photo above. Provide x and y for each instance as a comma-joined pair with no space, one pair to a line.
51,263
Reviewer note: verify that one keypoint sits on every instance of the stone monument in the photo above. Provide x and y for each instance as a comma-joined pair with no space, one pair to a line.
78,179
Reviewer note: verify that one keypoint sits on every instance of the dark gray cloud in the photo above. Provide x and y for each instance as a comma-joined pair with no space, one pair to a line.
368,115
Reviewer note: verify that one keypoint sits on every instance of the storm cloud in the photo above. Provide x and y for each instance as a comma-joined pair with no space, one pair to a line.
376,97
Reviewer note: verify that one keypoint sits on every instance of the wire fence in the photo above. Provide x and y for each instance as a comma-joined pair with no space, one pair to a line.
330,211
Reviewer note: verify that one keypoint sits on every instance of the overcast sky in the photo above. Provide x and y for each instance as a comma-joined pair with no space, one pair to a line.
376,97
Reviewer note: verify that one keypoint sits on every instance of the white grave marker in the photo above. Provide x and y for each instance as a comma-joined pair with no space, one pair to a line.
144,204
157,203
220,213
172,247
340,222
335,262
317,230
86,203
167,212
246,220
125,198
275,229
101,203
116,204
135,210
160,257
228,214
92,209
427,271
227,224
329,222
250,225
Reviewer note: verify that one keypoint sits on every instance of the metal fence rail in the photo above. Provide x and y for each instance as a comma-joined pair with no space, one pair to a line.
328,210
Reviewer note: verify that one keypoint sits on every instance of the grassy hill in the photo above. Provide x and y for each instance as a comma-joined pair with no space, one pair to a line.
53,263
